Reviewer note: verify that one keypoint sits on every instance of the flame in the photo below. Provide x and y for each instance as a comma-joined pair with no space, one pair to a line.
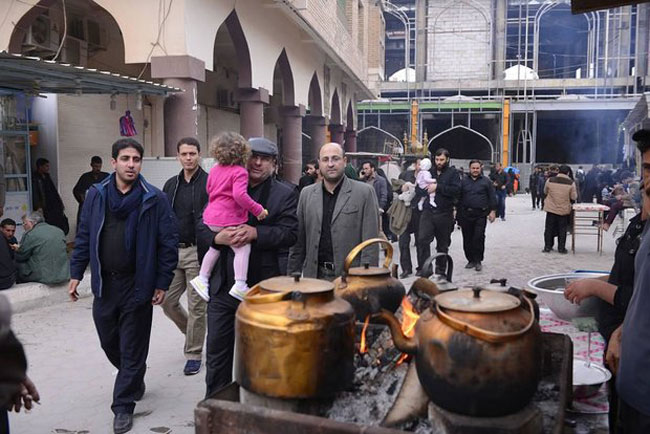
362,346
409,319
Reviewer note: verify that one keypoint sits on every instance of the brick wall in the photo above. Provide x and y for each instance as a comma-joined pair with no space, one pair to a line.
376,46
455,29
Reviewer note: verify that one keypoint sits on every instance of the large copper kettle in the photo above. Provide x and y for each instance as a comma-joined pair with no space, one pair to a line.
477,352
294,339
370,289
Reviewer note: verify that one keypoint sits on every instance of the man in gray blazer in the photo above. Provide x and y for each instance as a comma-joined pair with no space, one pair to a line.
333,217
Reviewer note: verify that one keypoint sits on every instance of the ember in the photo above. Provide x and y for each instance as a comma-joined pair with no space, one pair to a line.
409,319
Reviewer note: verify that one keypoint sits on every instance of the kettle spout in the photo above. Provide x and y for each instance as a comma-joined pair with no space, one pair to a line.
402,342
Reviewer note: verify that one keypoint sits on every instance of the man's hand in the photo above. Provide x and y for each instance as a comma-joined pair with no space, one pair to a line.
14,247
226,236
72,289
158,297
25,396
432,188
578,290
245,235
613,356
503,187
492,216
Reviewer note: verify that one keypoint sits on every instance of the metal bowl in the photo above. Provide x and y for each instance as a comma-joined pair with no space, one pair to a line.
550,290
588,379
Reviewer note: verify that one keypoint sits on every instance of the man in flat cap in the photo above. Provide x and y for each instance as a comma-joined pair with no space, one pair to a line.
270,240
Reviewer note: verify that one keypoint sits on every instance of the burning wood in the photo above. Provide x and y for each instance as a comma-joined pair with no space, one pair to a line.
362,346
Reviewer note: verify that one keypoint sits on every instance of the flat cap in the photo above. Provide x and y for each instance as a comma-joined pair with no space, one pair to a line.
641,136
260,145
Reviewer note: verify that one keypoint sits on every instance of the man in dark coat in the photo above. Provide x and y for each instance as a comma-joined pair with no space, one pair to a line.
438,222
270,241
310,174
45,197
86,180
129,235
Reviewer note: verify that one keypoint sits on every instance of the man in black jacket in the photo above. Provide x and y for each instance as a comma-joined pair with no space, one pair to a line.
438,222
270,241
86,180
477,203
46,198
187,196
500,180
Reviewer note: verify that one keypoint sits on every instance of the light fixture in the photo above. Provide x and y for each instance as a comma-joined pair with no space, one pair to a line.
113,103
138,100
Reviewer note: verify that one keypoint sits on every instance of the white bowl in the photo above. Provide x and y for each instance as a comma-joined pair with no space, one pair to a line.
550,290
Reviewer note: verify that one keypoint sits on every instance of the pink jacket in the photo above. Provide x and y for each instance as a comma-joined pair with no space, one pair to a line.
229,202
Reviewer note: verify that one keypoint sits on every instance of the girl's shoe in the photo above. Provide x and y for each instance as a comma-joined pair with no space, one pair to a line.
202,287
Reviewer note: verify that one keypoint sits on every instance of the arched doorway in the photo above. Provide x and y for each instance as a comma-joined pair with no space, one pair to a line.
375,139
462,143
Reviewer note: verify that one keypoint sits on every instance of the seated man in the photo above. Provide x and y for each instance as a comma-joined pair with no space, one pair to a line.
42,255
7,266
8,227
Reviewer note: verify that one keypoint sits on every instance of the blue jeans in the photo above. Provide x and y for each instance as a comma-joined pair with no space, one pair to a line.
501,203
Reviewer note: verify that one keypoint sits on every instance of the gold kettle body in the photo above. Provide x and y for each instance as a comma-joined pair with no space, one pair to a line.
478,363
294,339
370,289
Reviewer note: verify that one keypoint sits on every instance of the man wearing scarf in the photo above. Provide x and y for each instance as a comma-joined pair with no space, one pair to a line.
129,235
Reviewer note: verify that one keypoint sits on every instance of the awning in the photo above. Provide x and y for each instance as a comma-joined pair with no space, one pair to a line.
637,115
580,6
34,75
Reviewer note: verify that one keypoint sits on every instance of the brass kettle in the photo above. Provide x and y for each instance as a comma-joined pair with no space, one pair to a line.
294,339
370,289
477,352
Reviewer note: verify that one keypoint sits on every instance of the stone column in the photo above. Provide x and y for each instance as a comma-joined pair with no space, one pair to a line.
316,127
421,34
350,141
337,131
291,119
499,50
181,109
251,111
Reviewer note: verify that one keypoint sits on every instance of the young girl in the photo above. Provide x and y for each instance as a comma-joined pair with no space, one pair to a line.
423,180
229,205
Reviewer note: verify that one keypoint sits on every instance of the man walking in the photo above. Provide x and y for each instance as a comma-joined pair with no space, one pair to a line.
270,240
129,235
86,180
45,197
478,203
438,222
500,181
333,217
309,174
560,190
370,177
187,196
404,240
533,180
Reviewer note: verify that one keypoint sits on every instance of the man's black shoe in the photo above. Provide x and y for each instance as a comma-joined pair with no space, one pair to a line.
405,274
122,423
546,250
479,266
470,265
140,393
192,367
563,251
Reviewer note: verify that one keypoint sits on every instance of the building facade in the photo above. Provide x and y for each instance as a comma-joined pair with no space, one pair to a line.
288,70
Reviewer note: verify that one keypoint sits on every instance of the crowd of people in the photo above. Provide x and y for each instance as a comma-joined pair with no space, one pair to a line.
215,235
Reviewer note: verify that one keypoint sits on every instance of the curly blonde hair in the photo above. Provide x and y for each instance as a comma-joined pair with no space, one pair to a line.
230,149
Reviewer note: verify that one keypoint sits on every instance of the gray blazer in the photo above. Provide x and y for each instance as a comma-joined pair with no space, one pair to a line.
354,220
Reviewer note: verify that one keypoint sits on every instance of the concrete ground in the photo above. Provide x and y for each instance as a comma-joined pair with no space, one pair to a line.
75,380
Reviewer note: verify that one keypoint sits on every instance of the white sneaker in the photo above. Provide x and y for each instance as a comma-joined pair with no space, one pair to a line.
239,290
202,287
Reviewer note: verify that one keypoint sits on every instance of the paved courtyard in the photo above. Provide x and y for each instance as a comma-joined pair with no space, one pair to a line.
75,379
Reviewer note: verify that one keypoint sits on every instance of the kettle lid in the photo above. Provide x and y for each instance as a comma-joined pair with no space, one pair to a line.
477,300
296,283
367,270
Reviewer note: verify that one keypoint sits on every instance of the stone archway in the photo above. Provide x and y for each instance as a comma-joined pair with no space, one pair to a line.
462,143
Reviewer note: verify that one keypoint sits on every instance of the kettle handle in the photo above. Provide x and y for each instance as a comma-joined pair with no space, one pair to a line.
354,252
450,265
485,335
254,298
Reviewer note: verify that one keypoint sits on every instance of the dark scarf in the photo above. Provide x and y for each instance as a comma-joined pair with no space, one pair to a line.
126,206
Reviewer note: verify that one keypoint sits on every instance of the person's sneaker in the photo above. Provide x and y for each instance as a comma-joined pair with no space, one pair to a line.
546,250
470,265
140,393
201,286
563,251
405,274
192,367
503,219
122,423
479,266
239,290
